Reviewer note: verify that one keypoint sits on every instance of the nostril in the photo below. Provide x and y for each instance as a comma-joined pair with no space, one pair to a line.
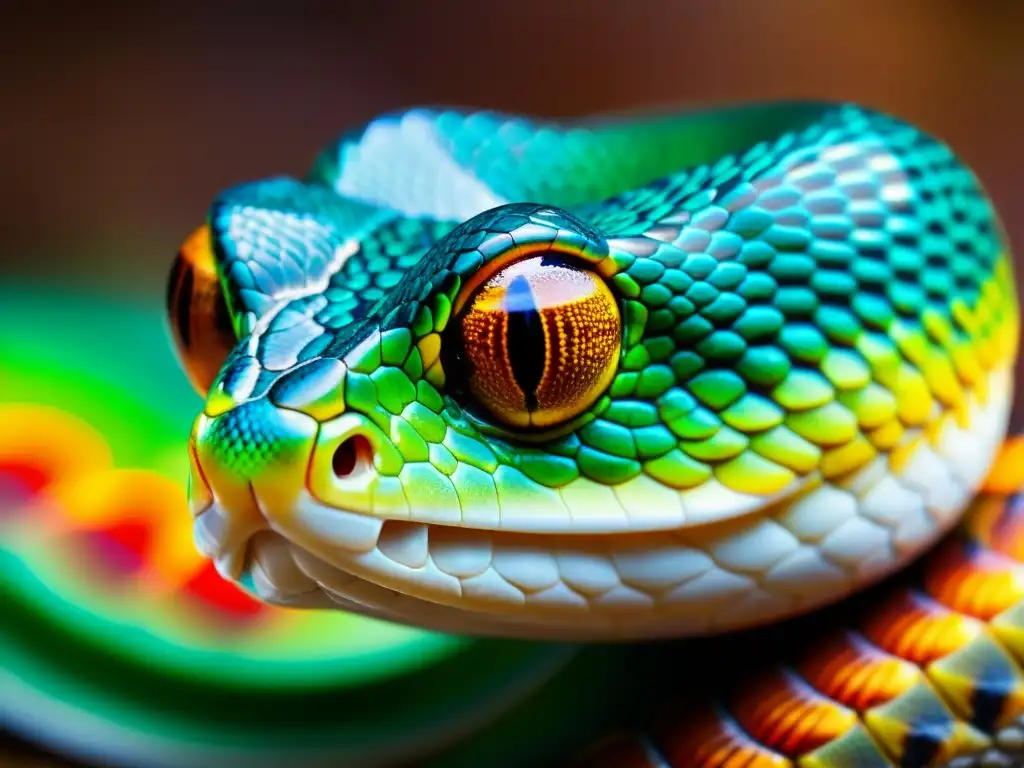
353,455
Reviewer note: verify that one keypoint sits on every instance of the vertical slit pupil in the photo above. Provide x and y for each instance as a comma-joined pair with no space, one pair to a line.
527,345
184,303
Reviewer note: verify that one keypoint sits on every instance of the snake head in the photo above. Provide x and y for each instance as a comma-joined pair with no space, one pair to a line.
668,412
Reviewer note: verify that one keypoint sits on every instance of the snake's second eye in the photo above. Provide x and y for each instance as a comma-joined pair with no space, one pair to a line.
540,341
198,312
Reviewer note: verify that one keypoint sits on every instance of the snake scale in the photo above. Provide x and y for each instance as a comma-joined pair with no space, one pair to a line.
630,379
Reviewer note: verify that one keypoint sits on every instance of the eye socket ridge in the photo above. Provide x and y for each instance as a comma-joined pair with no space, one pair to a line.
537,341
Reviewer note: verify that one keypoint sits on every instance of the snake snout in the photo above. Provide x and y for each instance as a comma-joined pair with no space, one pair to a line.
246,461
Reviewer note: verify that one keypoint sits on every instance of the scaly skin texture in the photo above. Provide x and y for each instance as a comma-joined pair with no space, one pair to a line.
929,674
818,324
924,671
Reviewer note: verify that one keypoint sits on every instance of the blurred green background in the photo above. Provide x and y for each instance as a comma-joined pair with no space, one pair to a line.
119,122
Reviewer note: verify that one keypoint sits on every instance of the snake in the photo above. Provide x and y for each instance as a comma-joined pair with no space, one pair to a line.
625,379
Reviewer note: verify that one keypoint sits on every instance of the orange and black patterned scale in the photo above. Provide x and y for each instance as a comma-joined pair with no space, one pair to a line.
929,675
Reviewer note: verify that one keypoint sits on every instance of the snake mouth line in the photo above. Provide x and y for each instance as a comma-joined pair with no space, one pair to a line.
804,551
509,585
458,580
356,467
516,585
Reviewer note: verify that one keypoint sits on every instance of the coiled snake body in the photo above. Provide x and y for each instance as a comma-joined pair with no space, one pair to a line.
631,379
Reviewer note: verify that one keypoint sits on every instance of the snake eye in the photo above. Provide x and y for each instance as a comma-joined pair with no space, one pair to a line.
198,311
540,341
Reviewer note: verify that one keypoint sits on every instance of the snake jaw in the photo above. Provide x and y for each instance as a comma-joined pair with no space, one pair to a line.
276,517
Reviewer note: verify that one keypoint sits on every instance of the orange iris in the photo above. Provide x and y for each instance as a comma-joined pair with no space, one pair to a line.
541,338
198,311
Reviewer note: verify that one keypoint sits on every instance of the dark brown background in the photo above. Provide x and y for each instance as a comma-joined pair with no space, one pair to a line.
118,124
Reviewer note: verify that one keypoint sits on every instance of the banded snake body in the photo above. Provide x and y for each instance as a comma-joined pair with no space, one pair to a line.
631,379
